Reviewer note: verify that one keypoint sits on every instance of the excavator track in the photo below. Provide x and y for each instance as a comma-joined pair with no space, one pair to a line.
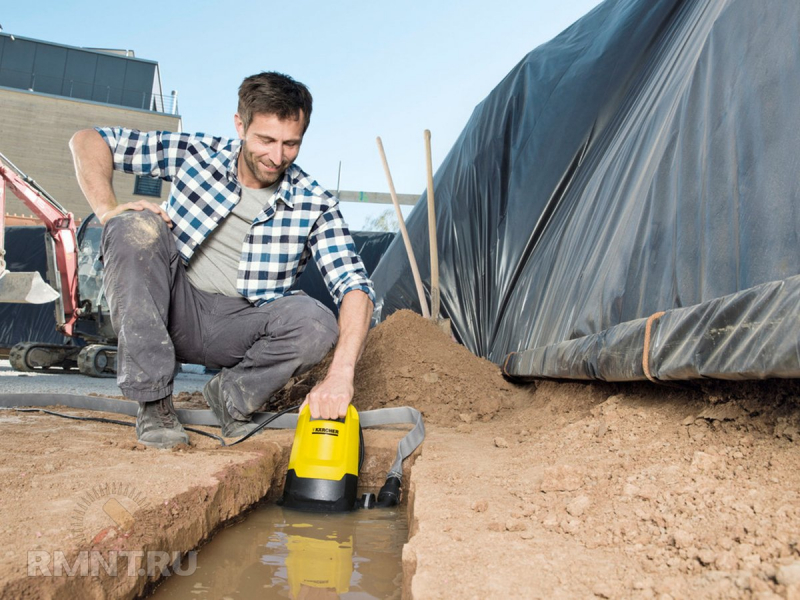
98,360
32,356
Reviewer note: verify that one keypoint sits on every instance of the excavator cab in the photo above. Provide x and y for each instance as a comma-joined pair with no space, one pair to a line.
94,322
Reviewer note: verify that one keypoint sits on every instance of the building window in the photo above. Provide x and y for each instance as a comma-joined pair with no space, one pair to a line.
147,186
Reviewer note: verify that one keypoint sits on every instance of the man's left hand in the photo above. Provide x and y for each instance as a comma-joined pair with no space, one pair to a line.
330,398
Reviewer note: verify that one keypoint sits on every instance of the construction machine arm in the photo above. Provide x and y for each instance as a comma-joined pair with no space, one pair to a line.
62,260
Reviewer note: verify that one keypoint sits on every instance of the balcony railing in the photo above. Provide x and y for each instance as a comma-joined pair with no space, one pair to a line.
83,90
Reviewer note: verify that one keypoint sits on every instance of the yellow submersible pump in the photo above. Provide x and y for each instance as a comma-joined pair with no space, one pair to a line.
327,455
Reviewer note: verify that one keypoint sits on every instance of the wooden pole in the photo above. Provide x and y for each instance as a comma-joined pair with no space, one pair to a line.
409,250
432,232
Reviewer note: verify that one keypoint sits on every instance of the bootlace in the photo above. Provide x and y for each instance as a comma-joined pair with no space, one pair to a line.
166,413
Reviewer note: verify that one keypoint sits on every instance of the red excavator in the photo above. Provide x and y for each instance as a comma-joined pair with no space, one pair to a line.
75,277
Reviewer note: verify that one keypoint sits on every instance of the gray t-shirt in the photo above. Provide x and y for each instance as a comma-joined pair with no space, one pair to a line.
215,263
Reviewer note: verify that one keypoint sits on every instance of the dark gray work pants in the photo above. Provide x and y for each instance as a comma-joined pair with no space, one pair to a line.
159,317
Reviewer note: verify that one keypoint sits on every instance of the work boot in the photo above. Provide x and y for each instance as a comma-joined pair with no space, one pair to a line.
230,427
157,424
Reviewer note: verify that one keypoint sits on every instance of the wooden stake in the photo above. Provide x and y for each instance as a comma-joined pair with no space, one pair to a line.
432,232
409,250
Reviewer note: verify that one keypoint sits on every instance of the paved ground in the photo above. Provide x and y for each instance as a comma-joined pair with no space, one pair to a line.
13,382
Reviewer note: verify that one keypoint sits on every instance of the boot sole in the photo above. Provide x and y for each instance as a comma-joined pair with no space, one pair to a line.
163,445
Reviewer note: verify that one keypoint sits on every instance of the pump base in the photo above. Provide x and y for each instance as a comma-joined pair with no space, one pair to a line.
320,495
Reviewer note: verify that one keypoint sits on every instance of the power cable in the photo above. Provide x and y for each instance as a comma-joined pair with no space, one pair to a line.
129,424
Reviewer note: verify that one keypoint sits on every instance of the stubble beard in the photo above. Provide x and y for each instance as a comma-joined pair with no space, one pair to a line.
253,165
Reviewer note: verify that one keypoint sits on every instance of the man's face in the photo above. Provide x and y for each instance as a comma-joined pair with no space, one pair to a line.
270,146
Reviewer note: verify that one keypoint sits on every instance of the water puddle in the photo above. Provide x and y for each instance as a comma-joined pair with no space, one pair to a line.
277,553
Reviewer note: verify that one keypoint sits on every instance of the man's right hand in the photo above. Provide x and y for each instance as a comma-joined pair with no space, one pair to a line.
138,205
94,169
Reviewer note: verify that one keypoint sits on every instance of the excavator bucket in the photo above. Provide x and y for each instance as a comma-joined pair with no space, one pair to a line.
27,288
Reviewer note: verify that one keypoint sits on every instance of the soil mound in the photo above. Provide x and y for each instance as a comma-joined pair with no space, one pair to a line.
409,361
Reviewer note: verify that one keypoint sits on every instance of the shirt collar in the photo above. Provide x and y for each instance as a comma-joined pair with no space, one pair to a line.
285,190
232,170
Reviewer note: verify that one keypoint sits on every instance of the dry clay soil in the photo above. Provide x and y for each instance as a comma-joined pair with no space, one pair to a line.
547,490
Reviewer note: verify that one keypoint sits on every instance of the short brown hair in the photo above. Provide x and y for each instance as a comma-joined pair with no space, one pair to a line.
274,94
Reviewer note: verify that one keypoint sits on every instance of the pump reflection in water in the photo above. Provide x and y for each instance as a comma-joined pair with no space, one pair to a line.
319,567
277,553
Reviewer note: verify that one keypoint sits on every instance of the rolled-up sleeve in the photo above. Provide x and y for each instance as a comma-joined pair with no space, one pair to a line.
153,153
338,261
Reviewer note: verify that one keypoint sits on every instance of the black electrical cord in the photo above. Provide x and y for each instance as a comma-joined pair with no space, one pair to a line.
57,414
264,424
192,429
114,421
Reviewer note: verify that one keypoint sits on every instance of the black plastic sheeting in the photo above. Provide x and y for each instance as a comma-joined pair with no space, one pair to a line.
370,246
645,160
25,251
747,335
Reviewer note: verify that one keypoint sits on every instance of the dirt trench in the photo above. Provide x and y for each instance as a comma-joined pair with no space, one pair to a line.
58,498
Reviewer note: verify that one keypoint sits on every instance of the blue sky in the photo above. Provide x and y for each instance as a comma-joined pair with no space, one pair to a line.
374,68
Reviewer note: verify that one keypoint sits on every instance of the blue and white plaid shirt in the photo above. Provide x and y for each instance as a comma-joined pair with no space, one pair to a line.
301,220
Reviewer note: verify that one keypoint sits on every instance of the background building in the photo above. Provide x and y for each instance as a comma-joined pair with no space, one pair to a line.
49,91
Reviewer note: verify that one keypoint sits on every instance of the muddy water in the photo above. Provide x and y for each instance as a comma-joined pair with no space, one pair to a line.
277,553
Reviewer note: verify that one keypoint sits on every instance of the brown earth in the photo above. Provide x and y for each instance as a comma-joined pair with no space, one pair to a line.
60,476
578,490
554,490
408,361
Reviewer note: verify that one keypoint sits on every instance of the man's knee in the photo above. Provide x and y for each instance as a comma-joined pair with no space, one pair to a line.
136,230
312,325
